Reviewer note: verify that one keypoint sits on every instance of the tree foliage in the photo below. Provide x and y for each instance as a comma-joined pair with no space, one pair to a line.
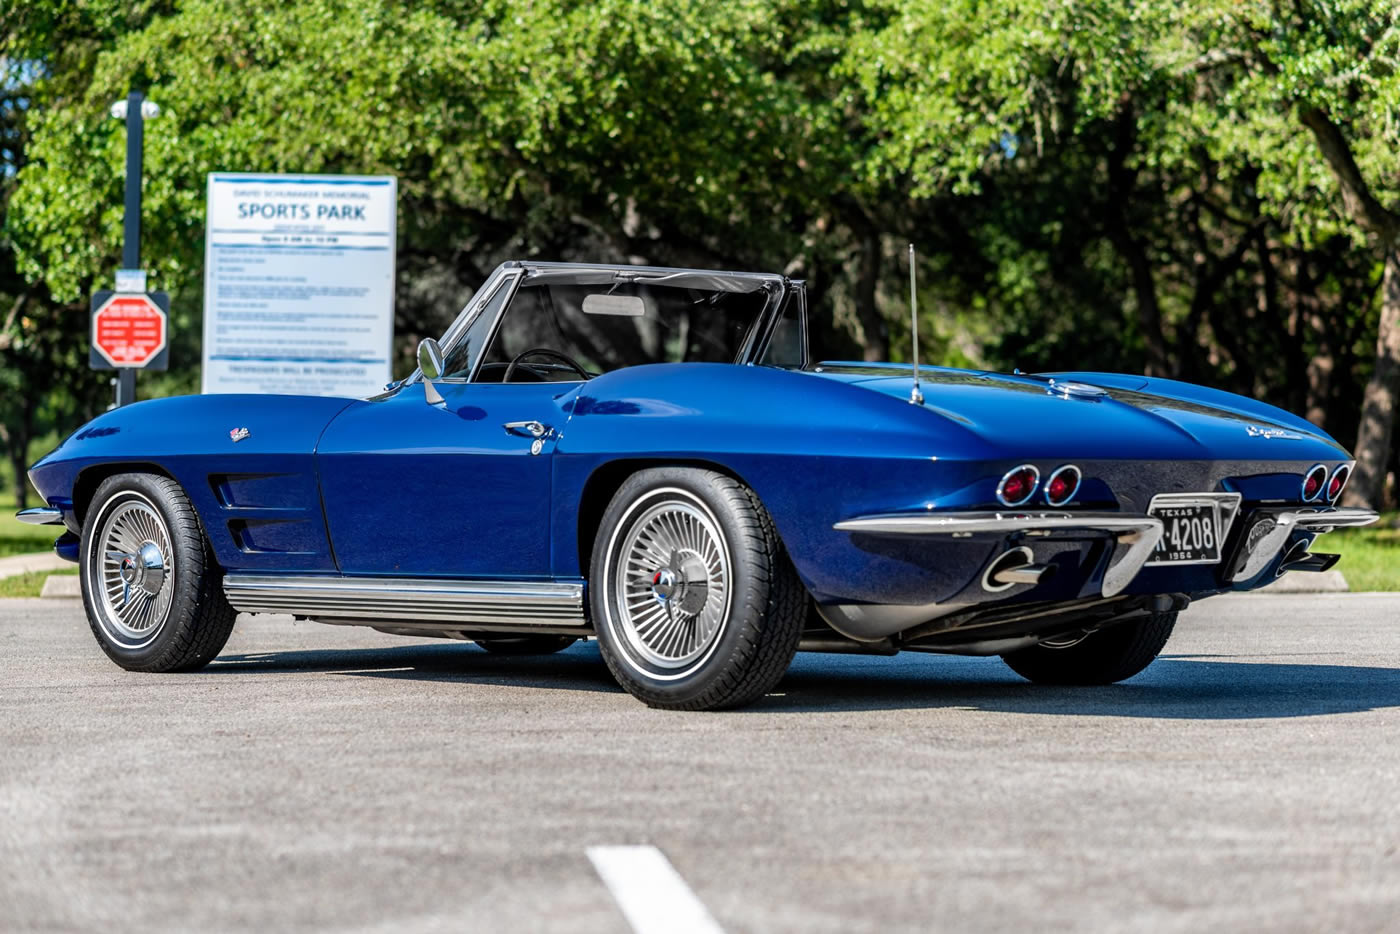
1094,184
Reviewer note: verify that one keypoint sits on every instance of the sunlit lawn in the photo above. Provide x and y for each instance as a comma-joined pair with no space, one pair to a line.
29,585
16,538
1370,555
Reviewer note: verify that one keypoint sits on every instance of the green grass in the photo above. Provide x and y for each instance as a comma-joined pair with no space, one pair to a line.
28,585
1370,555
17,538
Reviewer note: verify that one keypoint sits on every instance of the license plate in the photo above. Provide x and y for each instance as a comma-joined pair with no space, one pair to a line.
1192,527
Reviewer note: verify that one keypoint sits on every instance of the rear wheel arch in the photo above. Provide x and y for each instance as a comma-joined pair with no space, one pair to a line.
604,482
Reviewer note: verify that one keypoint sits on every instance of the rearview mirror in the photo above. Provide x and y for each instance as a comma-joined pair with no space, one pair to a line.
430,358
628,306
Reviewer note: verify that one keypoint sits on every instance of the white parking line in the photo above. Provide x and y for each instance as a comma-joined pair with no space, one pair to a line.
652,895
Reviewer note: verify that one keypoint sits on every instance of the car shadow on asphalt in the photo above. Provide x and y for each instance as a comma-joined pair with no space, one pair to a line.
576,669
1191,687
1194,687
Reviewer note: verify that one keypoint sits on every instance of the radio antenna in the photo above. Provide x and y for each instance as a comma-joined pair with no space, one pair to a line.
916,397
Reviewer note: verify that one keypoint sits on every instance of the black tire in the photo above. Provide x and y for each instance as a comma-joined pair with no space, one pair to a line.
179,619
539,644
754,604
1105,656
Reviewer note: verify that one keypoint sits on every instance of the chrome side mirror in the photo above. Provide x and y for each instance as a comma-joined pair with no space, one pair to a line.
430,358
430,362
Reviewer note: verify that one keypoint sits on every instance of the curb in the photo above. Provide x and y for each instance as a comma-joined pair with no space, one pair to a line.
23,564
62,586
1307,582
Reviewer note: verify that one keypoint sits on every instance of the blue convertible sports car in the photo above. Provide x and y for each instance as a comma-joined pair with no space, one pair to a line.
647,456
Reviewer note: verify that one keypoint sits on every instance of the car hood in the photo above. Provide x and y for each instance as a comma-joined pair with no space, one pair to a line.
1099,415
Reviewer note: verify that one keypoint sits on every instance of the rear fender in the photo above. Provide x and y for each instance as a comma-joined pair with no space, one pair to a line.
815,451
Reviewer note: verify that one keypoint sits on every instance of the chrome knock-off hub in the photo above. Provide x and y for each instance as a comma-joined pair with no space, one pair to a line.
144,570
683,584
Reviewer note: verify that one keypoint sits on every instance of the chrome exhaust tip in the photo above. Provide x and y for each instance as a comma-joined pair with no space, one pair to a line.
1015,567
1298,558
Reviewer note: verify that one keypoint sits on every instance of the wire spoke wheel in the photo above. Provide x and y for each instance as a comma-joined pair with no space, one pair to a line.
132,569
672,581
694,602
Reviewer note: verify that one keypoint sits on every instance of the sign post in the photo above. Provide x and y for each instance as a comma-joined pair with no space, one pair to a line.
299,284
129,327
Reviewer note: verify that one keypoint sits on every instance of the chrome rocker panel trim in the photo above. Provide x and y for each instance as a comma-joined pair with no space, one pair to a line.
40,515
464,604
1288,521
1137,535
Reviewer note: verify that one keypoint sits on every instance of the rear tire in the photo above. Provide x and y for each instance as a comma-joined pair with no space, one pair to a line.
540,644
151,587
1105,656
695,603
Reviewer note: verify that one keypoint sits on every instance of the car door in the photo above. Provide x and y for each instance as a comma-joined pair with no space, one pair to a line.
456,489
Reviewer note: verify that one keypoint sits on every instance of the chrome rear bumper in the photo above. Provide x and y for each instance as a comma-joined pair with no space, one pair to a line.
1266,534
1270,530
1136,536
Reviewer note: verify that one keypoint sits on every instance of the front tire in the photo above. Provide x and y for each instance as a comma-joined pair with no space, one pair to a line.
695,603
1104,656
151,586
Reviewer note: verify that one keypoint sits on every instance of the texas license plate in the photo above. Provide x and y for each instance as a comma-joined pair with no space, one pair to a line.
1191,530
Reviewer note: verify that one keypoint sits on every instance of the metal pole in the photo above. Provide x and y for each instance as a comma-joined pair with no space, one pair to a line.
916,395
131,221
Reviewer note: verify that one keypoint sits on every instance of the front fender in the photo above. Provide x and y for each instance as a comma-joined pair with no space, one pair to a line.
257,496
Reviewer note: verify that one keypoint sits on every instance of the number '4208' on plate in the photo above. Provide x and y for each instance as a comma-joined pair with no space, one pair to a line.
1193,526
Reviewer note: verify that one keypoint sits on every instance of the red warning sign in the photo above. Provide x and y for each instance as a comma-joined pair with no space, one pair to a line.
129,330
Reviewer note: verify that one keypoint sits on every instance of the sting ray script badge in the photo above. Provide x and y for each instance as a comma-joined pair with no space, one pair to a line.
1255,431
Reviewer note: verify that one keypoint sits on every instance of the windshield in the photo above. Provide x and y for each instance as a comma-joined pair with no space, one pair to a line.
608,326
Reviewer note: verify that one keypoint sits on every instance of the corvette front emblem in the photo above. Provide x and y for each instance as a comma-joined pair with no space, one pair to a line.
238,434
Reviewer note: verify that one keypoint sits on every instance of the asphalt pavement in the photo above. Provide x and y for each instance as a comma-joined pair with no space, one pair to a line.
321,777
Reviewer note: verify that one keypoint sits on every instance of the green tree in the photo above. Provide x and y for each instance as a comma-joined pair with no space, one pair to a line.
1200,137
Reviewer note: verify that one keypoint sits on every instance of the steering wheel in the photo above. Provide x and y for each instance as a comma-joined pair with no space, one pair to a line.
564,358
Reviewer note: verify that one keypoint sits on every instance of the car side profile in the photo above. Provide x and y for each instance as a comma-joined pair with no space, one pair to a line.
649,457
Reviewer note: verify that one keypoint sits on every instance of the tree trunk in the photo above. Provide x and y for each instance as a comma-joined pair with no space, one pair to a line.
17,459
1121,183
1374,437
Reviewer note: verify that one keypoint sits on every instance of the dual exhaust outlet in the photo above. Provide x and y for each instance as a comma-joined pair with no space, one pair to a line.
1018,566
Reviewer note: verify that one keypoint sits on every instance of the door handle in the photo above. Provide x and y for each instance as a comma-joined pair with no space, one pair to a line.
527,429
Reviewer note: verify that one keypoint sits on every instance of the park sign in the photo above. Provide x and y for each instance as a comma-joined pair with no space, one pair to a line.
299,284
130,330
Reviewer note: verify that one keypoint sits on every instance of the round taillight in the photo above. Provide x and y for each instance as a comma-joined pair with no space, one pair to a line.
1340,476
1062,485
1314,482
1018,485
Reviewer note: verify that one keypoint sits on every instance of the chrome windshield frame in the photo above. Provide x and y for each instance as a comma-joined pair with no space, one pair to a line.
512,274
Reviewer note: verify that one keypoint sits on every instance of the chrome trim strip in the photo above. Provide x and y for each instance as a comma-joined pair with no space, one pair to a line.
40,515
1285,523
425,600
1137,536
